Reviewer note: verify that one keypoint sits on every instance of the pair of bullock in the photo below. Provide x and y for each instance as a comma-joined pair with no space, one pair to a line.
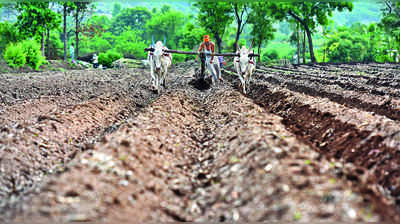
160,61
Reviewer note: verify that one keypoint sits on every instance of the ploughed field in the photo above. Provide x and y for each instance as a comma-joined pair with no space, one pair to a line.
311,142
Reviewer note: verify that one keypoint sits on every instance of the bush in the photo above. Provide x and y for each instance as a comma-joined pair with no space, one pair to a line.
96,44
183,57
56,46
277,50
8,34
106,59
383,58
129,43
269,55
15,56
33,54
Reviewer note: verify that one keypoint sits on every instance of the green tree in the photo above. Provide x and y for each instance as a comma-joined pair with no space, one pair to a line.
309,15
134,18
262,30
241,15
68,7
192,36
214,17
35,18
81,10
96,25
169,25
97,44
130,44
55,45
348,44
8,34
116,9
390,22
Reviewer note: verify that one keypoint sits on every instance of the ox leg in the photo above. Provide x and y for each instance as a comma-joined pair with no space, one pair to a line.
212,71
164,76
157,81
247,80
153,77
243,82
219,73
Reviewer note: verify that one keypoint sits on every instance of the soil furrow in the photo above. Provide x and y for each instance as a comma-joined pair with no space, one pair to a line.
199,155
379,105
195,156
340,140
372,85
46,134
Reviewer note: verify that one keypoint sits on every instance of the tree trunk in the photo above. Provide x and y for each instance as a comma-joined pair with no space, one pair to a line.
65,31
239,24
258,51
307,30
42,43
48,44
219,42
298,44
304,47
76,34
324,34
310,45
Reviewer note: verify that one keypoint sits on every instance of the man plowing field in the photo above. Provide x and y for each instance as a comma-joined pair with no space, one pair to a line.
212,63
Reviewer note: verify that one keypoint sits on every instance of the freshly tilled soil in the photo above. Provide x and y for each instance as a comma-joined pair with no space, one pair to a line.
279,153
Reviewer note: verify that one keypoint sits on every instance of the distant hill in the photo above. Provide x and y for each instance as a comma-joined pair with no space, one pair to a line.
107,7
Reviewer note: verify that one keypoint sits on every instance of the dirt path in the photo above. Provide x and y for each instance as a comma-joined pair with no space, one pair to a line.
217,155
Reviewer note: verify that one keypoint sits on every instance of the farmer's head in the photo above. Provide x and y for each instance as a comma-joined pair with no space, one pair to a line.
206,38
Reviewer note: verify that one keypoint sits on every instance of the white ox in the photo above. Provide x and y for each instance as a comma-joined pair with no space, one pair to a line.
159,61
245,65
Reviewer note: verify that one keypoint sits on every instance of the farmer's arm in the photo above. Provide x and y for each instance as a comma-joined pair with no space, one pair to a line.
201,47
198,51
212,51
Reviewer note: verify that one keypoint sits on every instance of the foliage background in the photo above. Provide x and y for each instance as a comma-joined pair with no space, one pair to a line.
123,29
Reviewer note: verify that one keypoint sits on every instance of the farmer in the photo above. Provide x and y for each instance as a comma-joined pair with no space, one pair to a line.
209,47
71,49
95,61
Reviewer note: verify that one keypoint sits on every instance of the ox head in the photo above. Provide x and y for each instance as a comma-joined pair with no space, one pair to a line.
157,54
244,58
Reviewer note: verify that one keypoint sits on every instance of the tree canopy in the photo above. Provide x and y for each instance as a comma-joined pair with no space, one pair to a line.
215,17
309,15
